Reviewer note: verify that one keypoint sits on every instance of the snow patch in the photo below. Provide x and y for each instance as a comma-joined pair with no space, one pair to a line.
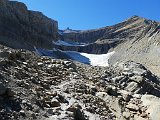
99,60
91,59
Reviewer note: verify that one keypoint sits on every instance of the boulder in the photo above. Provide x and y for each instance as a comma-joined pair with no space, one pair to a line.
153,106
55,103
77,110
132,107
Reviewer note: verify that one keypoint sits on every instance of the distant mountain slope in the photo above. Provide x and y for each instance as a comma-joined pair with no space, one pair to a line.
22,28
136,39
103,39
123,30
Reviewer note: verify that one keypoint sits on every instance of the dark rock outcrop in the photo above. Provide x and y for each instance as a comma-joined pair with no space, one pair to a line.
22,28
92,48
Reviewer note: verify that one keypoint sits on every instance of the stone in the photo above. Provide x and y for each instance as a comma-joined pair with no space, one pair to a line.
55,103
76,109
33,115
50,111
53,94
153,106
127,97
136,117
69,64
40,64
93,90
79,115
132,86
112,91
73,107
139,71
126,115
137,79
116,79
138,96
22,112
132,107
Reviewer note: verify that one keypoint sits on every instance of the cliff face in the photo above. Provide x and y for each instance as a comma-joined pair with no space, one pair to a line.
84,36
92,48
22,28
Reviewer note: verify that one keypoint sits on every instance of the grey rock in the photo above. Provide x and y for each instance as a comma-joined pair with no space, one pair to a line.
132,86
153,106
137,79
132,107
55,103
22,112
126,115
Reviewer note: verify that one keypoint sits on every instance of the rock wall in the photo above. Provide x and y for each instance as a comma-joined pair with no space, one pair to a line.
22,28
84,36
93,48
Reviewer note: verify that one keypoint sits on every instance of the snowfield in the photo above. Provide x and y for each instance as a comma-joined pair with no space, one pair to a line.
99,60
91,59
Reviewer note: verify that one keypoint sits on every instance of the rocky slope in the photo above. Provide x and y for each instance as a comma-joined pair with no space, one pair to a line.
22,28
143,48
34,87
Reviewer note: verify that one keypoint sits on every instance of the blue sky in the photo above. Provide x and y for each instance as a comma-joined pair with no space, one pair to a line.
90,14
